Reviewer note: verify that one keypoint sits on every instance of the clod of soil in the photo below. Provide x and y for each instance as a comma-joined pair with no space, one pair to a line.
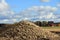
26,30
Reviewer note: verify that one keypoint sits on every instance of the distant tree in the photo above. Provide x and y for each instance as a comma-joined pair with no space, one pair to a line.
38,23
44,23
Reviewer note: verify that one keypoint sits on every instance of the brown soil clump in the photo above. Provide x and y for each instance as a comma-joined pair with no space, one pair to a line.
26,30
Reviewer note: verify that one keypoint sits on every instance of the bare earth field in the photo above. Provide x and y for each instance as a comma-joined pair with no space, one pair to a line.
52,28
55,30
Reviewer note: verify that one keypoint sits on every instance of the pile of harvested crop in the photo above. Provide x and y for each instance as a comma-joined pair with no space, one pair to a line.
26,30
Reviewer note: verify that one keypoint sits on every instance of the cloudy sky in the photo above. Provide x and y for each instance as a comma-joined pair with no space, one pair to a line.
16,10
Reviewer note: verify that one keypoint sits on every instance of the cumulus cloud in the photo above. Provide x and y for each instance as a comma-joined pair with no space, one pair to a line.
4,8
8,21
45,0
40,13
58,5
48,7
54,9
32,13
3,5
5,12
51,15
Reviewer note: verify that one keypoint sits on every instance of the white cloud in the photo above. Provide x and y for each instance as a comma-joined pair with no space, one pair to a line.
45,0
25,19
37,12
50,15
6,12
36,8
40,13
33,8
41,8
17,16
5,20
48,7
8,21
58,5
14,20
3,5
54,9
4,8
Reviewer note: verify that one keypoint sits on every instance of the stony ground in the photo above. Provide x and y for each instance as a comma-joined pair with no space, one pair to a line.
26,30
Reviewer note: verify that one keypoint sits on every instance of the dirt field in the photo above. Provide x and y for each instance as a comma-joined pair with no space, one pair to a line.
52,28
55,30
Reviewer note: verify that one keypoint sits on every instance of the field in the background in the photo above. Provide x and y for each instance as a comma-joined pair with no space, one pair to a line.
52,28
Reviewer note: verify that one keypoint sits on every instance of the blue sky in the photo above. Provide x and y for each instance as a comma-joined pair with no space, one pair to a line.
18,5
16,10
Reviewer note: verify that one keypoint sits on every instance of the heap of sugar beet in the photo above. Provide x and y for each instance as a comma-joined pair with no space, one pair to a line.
25,30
